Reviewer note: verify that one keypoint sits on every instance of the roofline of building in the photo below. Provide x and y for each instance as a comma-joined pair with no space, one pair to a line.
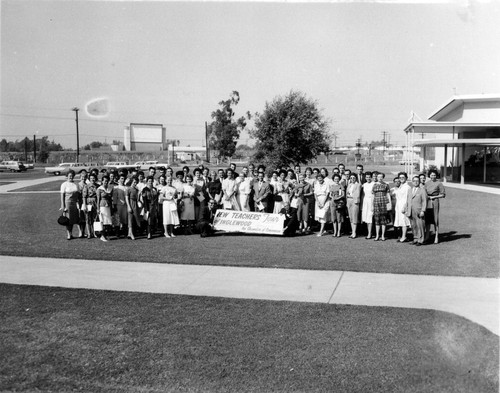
448,124
464,98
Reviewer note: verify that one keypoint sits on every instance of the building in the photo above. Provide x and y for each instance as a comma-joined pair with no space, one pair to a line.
461,138
145,137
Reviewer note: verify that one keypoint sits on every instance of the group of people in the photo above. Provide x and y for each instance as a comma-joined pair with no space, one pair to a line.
127,204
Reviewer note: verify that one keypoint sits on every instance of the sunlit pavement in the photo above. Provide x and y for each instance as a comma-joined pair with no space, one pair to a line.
476,299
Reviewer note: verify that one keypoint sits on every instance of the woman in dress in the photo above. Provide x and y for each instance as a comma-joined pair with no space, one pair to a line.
132,199
200,196
168,197
397,184
281,196
401,211
121,207
229,188
149,199
214,189
435,191
327,180
381,202
304,193
105,202
244,190
337,204
321,195
89,196
367,209
353,195
187,214
70,199
291,177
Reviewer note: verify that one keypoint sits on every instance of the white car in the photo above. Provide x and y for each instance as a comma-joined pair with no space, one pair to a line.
65,167
117,165
145,165
13,166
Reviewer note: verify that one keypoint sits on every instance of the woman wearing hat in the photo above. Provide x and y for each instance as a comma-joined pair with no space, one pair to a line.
70,196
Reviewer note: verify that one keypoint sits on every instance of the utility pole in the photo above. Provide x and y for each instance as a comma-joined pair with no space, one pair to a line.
207,148
384,140
75,109
34,148
26,149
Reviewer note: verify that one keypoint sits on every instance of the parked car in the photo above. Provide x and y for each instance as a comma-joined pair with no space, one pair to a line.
65,167
117,165
13,166
28,165
145,165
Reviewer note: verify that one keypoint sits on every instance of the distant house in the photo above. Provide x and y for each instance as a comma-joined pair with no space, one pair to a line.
461,138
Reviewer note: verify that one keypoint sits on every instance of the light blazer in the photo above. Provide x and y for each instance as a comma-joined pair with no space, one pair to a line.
417,202
262,194
356,192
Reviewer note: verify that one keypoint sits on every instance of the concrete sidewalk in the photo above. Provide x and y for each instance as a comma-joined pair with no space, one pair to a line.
9,188
474,298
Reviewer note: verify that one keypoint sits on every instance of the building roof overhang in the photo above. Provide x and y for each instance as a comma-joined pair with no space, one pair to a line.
458,142
448,127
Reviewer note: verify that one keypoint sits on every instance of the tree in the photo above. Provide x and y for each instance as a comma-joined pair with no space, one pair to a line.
4,145
224,131
290,130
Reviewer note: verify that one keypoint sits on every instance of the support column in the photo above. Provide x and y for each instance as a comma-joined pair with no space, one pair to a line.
484,165
462,167
445,161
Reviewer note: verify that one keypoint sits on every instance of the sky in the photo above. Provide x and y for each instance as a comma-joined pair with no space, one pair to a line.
368,65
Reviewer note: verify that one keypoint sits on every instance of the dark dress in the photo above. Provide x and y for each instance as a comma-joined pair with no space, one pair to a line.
133,194
150,203
337,203
380,214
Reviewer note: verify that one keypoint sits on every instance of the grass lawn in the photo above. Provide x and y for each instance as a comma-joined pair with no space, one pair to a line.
469,245
55,339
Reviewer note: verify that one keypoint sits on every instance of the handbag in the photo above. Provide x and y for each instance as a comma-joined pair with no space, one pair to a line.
63,220
98,227
294,203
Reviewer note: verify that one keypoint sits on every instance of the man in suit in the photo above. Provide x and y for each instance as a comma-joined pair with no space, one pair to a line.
206,220
417,204
261,189
360,174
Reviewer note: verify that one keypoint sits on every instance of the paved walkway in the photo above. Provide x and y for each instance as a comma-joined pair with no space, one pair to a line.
9,188
474,298
473,187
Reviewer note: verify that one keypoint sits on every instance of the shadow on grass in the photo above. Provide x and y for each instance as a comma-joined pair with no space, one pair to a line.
452,236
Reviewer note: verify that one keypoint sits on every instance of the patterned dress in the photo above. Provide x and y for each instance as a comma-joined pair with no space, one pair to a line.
89,194
380,215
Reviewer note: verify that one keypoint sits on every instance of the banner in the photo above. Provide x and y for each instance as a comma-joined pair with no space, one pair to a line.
249,222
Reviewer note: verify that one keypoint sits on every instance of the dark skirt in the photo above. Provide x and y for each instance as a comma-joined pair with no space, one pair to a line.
432,212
